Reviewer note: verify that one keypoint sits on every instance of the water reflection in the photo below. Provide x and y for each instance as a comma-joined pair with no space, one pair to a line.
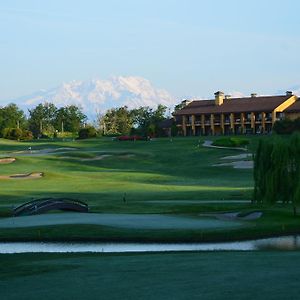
279,243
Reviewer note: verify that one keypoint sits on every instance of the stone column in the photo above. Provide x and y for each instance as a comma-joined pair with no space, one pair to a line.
184,125
193,125
212,125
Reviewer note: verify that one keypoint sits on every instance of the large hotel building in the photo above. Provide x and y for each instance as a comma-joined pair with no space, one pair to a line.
226,115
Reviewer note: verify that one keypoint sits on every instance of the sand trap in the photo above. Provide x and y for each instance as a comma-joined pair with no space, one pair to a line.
210,145
243,164
40,152
236,216
99,157
8,160
239,156
33,175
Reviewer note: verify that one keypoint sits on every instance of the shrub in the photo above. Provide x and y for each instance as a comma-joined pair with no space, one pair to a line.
287,126
87,132
16,134
231,142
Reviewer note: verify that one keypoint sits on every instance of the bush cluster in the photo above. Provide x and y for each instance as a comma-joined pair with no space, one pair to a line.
287,126
231,142
87,132
17,134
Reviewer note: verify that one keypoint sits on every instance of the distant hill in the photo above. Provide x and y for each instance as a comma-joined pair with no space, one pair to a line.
98,95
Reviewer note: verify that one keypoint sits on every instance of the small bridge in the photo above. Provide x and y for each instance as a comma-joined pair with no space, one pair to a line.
42,205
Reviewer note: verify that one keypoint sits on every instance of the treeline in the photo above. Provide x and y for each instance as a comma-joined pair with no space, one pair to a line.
45,120
277,171
143,121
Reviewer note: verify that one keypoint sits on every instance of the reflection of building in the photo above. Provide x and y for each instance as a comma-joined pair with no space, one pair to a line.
225,115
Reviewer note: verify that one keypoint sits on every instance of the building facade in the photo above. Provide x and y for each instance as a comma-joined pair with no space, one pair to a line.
226,115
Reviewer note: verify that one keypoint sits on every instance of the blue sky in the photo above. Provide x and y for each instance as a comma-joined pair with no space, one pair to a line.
191,48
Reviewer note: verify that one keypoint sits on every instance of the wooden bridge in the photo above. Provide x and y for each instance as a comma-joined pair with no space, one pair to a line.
42,205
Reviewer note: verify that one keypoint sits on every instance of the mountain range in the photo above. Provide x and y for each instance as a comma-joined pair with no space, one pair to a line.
97,95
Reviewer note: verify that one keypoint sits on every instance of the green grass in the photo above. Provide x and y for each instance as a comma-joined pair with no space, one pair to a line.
203,275
146,172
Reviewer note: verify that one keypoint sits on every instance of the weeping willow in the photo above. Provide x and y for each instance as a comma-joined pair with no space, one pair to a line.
277,171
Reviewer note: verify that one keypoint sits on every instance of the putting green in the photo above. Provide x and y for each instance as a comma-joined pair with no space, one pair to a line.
134,221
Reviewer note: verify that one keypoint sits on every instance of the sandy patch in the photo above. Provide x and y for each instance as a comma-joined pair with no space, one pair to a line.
210,145
33,175
242,164
8,160
99,157
235,216
38,152
239,156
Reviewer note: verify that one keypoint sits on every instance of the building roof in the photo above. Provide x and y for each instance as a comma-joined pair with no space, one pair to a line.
234,105
294,107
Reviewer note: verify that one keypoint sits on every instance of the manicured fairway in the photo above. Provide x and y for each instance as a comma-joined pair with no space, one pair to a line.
208,275
100,171
175,179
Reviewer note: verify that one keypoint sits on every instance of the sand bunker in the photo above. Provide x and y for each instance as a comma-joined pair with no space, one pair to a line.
239,156
99,157
34,175
242,164
236,216
41,152
7,160
210,145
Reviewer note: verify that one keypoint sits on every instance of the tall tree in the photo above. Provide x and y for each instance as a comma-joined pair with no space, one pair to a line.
146,119
277,171
69,118
42,119
116,121
11,117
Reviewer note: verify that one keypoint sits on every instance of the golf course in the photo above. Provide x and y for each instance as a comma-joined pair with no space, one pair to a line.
179,190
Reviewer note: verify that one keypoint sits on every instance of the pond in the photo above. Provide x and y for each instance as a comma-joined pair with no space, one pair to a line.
278,243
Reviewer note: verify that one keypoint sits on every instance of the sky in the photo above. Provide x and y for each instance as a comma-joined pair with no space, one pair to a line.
191,48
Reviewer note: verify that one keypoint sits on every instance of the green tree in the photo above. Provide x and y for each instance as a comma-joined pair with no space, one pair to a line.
69,118
146,120
42,119
277,171
116,121
11,117
87,132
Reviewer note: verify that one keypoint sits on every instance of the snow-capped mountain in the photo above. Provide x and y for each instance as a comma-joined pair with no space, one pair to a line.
98,95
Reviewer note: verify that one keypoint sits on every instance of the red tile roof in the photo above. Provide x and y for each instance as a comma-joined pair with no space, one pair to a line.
233,105
294,107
